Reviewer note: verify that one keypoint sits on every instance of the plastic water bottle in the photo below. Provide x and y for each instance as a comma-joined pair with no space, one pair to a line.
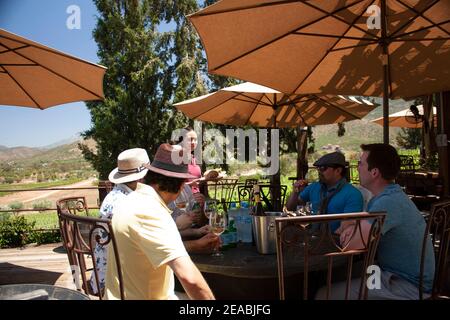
245,223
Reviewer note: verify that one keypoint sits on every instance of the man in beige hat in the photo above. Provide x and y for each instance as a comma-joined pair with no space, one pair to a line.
150,246
131,169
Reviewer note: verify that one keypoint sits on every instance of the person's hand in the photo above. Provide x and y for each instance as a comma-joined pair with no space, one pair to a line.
207,243
199,232
184,221
299,185
200,198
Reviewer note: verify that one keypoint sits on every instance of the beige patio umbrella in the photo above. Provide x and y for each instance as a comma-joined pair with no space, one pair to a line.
36,76
389,48
405,118
256,105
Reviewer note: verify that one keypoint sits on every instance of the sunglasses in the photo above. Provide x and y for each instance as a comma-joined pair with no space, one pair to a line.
324,168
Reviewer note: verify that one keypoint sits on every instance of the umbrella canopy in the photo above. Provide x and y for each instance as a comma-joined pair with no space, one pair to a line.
36,76
389,48
256,105
405,118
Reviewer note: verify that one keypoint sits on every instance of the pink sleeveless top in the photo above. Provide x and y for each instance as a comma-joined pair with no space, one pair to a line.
195,170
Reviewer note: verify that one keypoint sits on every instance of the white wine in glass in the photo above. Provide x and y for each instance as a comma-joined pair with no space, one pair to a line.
218,223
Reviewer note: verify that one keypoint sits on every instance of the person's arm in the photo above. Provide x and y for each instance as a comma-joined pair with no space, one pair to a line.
295,199
205,244
191,279
194,232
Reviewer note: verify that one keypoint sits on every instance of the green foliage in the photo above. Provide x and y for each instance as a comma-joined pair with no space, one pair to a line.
14,231
42,204
409,138
45,236
147,71
16,205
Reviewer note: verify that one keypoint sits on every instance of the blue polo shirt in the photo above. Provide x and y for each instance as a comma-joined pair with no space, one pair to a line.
400,247
348,199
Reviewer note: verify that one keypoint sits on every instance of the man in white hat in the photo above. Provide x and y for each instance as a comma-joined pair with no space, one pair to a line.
150,247
130,170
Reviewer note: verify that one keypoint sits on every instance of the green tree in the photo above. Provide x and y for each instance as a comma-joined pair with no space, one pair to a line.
409,138
148,69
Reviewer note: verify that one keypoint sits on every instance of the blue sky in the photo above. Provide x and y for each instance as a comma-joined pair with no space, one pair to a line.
44,21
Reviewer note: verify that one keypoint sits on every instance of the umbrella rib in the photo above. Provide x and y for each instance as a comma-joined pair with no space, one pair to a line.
42,47
352,47
299,114
423,39
418,13
421,29
412,19
332,36
251,99
343,20
13,50
212,108
336,107
23,89
287,33
57,74
19,64
254,109
329,50
260,5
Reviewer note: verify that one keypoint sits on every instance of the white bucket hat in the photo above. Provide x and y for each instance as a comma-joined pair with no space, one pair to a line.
131,166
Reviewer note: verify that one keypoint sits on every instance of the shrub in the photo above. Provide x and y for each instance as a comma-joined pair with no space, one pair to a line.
42,204
14,231
45,236
16,205
5,216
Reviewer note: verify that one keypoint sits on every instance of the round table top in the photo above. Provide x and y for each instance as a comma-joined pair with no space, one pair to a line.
32,291
244,261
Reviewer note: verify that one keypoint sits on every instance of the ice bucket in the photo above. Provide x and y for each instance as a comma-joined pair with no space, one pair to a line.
264,232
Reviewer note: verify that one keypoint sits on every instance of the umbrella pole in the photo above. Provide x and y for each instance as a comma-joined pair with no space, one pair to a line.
385,74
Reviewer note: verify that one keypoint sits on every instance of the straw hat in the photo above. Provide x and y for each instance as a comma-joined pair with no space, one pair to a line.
131,166
164,164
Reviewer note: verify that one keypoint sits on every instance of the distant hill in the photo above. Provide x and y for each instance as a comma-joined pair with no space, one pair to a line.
72,139
16,153
66,161
361,131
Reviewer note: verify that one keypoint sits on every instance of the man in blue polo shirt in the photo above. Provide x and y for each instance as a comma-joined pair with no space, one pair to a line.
332,194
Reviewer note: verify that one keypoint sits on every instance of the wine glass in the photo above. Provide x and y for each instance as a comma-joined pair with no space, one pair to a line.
210,207
218,223
182,201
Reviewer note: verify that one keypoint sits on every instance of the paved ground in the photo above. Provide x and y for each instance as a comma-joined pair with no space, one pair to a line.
45,264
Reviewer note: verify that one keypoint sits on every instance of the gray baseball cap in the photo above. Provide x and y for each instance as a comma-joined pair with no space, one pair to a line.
331,159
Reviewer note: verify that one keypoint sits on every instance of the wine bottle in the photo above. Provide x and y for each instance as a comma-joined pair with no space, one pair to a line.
257,208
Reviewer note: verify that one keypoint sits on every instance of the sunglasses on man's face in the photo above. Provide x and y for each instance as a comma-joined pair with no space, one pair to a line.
324,168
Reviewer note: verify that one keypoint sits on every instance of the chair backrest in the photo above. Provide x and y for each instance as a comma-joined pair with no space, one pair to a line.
80,236
74,205
438,228
311,238
222,189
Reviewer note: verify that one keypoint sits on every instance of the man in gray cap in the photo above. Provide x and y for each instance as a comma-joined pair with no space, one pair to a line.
332,194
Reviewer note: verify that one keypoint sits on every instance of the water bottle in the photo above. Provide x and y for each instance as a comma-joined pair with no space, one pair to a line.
246,223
